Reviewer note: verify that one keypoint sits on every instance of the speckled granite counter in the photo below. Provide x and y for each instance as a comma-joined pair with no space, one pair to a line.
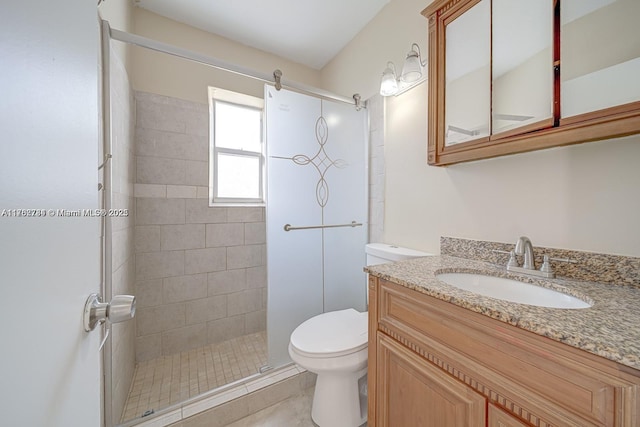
610,328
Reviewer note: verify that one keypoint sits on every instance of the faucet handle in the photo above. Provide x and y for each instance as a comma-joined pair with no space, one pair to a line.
546,265
513,261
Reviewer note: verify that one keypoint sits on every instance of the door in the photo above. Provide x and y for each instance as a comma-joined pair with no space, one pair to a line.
316,183
49,254
412,392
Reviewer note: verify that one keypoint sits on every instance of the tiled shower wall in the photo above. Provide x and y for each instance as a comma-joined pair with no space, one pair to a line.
200,270
375,107
123,271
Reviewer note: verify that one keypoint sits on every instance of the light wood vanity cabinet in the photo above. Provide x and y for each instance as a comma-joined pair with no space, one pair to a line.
432,363
420,394
499,418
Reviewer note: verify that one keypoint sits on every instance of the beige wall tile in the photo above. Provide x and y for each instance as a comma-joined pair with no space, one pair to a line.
158,170
224,329
181,192
255,321
205,260
198,122
152,320
225,235
199,212
244,302
121,247
150,190
255,233
248,214
151,115
202,193
148,347
181,243
122,201
184,288
147,238
154,265
123,278
226,282
187,236
206,309
244,256
257,277
185,338
197,173
160,211
149,293
155,143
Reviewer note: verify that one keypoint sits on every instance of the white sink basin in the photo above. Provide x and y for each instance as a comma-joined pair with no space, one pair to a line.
511,290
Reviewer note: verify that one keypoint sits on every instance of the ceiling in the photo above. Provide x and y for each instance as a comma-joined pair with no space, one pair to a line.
308,32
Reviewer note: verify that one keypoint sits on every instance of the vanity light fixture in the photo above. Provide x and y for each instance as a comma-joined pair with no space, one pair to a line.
389,82
413,74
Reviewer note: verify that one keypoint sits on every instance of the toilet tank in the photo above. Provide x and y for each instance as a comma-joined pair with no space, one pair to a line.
381,253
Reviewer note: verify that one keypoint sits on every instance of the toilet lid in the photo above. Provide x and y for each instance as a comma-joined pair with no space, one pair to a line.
333,333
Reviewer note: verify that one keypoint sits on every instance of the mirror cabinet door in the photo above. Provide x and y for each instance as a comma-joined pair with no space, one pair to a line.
510,76
600,56
522,66
468,75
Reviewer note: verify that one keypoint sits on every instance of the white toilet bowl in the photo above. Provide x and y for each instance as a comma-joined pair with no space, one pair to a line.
334,346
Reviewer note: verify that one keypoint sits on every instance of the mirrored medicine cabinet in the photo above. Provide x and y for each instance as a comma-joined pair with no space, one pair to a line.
509,76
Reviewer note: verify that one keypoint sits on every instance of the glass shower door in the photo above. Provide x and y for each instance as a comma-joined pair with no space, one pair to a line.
316,167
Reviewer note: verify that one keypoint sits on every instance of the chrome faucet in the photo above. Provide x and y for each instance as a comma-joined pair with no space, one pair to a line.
524,247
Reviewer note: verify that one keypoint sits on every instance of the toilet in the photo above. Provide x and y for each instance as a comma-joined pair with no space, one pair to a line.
333,345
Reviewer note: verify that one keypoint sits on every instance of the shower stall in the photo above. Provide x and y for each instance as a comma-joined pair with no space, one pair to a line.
220,288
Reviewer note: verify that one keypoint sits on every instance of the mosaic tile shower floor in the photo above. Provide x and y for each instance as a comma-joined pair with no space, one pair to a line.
168,380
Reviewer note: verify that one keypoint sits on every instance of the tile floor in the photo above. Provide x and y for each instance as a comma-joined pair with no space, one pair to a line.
292,412
172,379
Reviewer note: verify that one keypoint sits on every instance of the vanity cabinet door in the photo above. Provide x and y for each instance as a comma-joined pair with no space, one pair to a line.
412,392
499,418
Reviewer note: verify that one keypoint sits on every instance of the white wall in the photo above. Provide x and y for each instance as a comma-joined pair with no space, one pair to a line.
583,197
388,37
166,75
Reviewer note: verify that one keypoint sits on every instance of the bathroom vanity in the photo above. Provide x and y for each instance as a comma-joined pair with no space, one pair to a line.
441,356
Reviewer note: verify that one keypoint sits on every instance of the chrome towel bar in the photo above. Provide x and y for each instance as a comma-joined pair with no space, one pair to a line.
289,227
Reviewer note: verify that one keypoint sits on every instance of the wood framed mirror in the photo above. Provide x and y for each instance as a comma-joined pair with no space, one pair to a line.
510,76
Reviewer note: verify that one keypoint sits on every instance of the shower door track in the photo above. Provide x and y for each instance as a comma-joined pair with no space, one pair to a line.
274,78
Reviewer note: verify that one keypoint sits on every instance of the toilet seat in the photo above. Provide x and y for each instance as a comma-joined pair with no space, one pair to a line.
332,334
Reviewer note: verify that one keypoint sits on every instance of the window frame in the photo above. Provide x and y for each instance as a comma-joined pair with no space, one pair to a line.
217,95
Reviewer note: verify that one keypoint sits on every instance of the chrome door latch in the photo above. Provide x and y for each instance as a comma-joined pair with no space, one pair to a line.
120,309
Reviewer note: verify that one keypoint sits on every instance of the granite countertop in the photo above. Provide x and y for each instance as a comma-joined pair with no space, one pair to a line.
609,328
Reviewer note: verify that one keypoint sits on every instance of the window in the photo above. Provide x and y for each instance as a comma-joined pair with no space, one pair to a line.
236,162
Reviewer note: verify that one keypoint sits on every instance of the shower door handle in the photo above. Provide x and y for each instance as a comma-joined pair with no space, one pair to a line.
120,309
